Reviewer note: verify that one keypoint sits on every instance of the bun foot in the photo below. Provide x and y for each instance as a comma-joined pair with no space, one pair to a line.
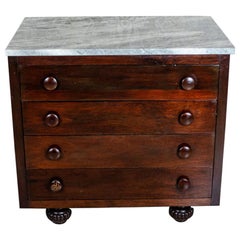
58,215
181,214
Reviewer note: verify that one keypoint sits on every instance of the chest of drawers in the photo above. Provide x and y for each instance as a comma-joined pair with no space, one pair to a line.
118,112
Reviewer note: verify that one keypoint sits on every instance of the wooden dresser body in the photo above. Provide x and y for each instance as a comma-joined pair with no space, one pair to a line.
119,130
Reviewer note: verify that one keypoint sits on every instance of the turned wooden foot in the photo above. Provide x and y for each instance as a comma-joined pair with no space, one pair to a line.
181,214
58,215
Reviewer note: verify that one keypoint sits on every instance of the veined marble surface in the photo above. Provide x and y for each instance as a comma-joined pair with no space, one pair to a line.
76,36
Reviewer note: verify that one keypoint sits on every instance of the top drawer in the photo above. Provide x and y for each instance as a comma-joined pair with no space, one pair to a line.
118,82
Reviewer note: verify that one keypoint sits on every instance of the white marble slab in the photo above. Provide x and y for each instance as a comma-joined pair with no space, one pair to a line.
76,36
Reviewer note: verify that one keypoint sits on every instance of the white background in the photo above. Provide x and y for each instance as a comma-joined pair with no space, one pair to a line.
121,223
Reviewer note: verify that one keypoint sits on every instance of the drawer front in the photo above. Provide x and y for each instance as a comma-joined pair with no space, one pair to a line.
119,183
150,117
119,151
118,82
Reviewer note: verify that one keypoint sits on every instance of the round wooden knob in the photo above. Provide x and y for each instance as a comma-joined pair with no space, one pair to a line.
183,184
186,118
53,153
52,120
188,83
56,185
50,83
184,151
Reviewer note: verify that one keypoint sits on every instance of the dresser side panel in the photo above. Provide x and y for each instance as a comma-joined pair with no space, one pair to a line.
220,128
18,130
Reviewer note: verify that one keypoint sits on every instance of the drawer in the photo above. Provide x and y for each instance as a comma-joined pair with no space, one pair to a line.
90,118
110,184
131,151
115,82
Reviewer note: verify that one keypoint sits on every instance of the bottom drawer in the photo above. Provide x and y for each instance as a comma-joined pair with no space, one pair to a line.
151,183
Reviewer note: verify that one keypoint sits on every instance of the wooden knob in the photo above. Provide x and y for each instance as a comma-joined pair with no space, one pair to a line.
53,153
50,83
184,151
183,183
188,83
186,118
52,119
56,185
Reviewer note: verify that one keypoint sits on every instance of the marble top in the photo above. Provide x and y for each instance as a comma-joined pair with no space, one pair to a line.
82,36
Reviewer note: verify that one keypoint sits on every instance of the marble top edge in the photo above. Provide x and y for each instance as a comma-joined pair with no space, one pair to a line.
76,36
114,52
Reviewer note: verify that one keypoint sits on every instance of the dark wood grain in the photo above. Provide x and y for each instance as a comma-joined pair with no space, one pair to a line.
125,82
121,95
123,60
84,118
220,129
118,151
18,130
119,183
117,98
119,203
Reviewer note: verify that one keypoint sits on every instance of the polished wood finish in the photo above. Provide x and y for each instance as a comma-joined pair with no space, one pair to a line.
94,118
120,60
131,151
124,82
18,130
121,95
96,203
109,131
220,128
118,82
119,183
